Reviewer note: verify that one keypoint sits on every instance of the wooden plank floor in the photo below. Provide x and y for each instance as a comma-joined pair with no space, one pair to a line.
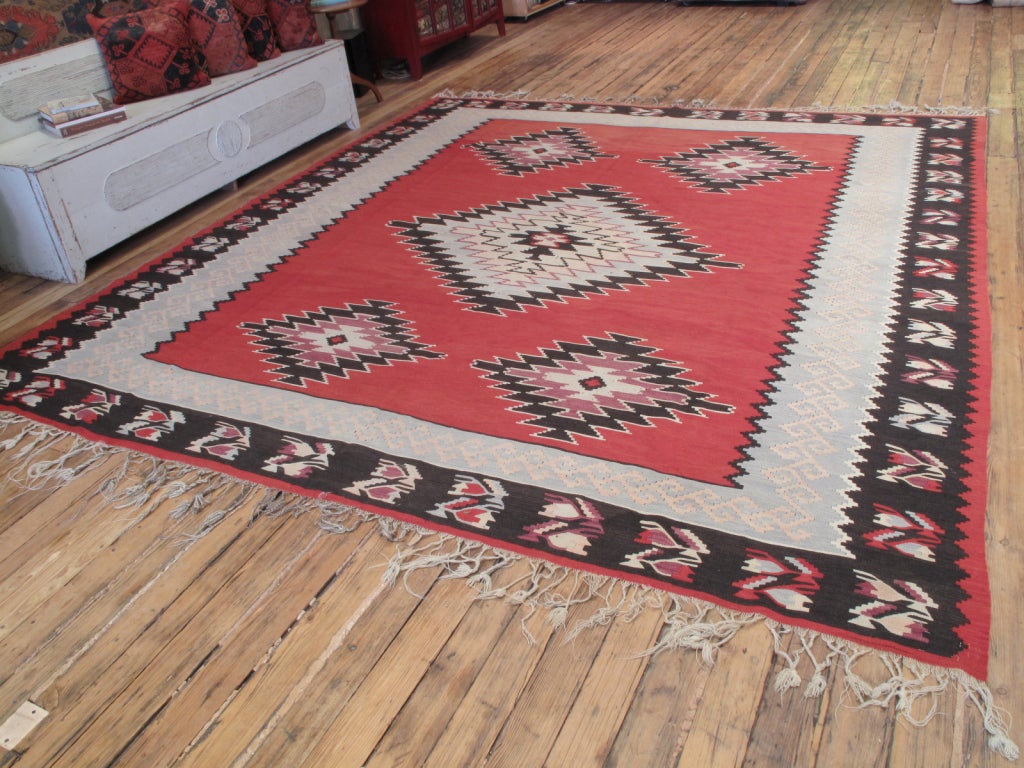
276,644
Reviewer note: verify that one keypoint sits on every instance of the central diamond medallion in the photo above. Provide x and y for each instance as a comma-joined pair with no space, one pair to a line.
571,243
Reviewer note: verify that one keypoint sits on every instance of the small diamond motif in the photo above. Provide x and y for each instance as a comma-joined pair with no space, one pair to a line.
555,148
734,164
611,383
336,342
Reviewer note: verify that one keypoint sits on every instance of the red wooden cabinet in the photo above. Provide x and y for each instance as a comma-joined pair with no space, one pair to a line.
410,29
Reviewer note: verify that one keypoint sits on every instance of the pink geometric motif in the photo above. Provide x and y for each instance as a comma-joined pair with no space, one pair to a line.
910,533
226,441
152,423
916,468
97,403
902,608
389,482
574,522
788,582
474,501
676,554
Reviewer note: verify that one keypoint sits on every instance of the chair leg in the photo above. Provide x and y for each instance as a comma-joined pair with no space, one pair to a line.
358,80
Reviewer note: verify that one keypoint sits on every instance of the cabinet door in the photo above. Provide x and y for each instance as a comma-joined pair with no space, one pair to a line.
439,17
483,7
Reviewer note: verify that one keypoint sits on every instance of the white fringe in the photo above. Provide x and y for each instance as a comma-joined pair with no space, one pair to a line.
696,625
141,483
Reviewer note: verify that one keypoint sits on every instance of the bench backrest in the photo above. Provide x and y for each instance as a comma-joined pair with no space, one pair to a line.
25,84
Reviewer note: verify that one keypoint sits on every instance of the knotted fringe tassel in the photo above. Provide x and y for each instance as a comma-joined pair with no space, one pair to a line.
32,440
699,626
140,483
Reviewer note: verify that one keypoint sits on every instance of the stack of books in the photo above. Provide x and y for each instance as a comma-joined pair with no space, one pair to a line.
72,116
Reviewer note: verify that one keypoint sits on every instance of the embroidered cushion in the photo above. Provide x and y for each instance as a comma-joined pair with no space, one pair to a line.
216,30
294,24
150,52
257,28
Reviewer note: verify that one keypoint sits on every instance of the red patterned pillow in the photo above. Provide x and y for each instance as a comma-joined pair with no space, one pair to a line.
257,28
215,28
294,24
150,52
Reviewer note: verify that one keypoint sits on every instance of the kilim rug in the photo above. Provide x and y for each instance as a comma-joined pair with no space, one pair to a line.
739,357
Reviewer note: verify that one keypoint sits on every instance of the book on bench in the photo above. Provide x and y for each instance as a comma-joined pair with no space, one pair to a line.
72,108
110,113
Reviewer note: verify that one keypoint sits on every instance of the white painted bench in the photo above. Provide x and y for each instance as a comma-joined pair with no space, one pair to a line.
65,200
